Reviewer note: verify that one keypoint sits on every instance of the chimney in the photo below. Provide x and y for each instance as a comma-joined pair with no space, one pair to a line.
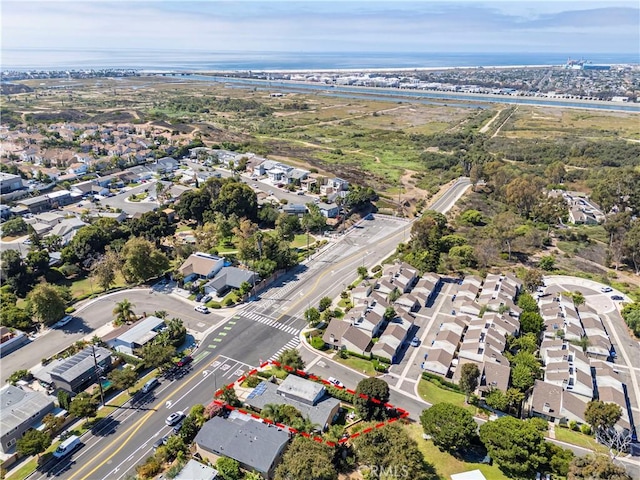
546,408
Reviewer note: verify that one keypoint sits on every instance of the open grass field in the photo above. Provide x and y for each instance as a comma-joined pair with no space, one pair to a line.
549,122
434,394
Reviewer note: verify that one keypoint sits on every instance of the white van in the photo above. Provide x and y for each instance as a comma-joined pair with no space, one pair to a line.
66,447
150,385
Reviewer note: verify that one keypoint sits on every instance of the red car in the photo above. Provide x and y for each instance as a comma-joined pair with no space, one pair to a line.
185,361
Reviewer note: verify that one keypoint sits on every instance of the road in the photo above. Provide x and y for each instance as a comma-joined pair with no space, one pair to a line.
256,332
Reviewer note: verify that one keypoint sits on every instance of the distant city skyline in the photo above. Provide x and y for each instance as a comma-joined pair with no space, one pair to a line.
314,26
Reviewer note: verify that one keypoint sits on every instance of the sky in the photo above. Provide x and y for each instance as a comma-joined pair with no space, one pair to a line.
320,26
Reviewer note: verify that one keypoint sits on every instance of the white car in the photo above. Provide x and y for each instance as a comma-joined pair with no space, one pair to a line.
65,320
201,309
174,418
335,381
606,289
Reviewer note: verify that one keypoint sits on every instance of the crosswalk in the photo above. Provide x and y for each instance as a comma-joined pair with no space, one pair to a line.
282,295
270,322
293,343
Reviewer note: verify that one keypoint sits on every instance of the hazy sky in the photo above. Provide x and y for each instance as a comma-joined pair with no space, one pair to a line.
314,26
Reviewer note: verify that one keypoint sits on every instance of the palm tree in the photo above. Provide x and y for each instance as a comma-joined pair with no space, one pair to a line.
124,312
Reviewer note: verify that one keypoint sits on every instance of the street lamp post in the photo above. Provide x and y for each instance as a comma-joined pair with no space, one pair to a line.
98,373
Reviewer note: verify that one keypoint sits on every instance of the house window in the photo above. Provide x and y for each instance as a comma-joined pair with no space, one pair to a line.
35,414
11,443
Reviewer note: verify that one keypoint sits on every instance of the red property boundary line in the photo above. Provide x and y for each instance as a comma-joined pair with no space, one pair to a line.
301,373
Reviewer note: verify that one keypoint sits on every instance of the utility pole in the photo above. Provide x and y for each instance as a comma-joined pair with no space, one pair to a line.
98,371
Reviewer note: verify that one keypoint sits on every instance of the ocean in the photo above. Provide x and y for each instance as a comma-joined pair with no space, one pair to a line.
56,59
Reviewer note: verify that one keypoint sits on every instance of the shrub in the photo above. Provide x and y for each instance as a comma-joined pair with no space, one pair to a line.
439,381
318,343
228,302
573,425
252,381
215,305
339,393
586,429
70,309
376,268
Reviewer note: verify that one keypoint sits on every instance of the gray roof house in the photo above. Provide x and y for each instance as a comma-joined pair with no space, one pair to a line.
194,470
256,446
200,265
228,278
20,410
136,336
309,398
78,372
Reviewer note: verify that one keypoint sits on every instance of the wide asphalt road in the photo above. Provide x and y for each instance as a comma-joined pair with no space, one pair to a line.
259,331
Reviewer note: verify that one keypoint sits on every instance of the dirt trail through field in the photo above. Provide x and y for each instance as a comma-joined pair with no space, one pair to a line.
354,117
503,123
490,122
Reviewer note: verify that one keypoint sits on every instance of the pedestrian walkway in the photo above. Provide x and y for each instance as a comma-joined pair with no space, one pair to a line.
291,344
269,322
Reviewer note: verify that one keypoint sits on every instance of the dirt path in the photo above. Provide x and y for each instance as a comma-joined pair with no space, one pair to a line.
503,123
490,122
354,117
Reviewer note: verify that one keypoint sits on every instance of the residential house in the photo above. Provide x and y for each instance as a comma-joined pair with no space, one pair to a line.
89,187
309,398
438,360
194,470
357,340
164,165
67,229
10,183
550,402
129,338
20,410
200,265
294,209
329,210
230,278
392,340
77,372
308,184
254,445
296,176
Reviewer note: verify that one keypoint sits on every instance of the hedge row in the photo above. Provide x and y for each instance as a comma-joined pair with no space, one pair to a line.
438,380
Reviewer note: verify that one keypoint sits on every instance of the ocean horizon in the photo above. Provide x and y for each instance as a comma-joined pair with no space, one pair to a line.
60,59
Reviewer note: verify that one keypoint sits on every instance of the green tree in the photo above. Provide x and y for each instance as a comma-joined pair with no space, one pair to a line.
531,322
631,245
518,447
142,260
547,263
497,400
578,298
451,428
308,460
469,375
312,315
367,408
157,356
104,270
64,399
533,279
523,192
504,227
601,415
228,468
47,302
124,312
596,467
325,302
291,358
83,406
527,303
14,227
287,226
313,220
522,377
391,449
362,271
463,256
33,442
189,429
123,378
229,395
472,217
38,261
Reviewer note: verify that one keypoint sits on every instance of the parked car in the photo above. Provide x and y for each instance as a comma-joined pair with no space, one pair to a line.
150,385
64,321
300,192
335,381
177,427
199,297
185,361
66,447
415,341
201,309
606,289
174,418
617,297
206,298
